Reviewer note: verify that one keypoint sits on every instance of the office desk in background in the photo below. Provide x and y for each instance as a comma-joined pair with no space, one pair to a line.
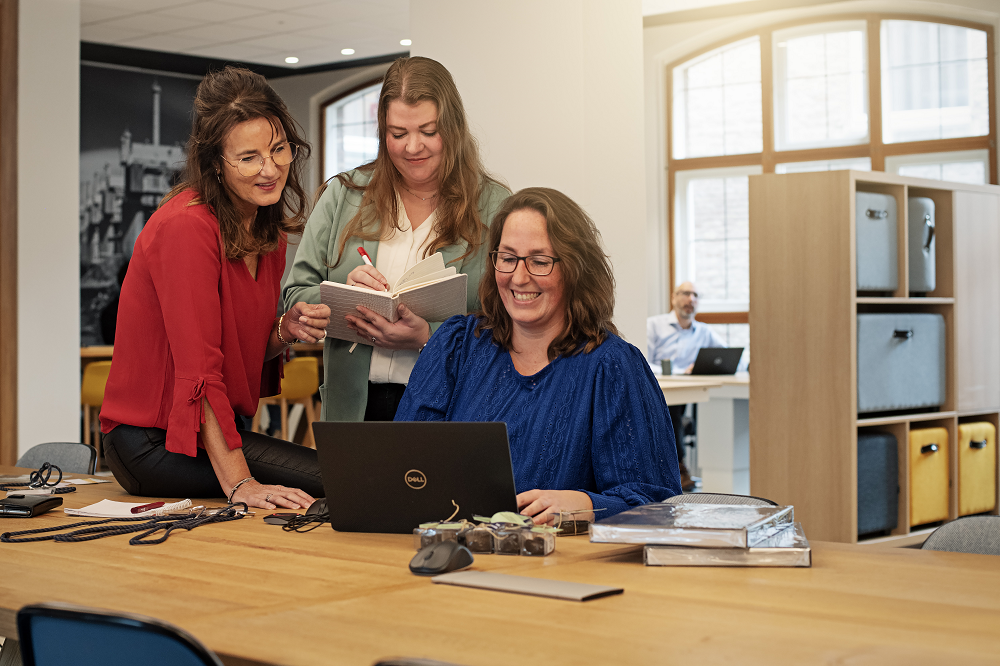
723,430
258,595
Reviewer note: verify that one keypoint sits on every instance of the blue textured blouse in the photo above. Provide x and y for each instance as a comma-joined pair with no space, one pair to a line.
593,422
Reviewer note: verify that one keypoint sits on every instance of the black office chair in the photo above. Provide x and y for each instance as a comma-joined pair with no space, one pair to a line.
70,457
972,534
58,634
719,498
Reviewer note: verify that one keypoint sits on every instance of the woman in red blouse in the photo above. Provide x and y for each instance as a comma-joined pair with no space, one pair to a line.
197,341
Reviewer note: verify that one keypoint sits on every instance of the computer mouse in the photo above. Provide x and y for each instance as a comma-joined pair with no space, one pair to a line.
439,558
317,507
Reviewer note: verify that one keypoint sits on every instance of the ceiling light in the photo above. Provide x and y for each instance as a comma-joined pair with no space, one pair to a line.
346,51
291,60
405,42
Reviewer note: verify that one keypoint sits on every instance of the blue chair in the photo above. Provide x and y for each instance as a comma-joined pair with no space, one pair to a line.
56,634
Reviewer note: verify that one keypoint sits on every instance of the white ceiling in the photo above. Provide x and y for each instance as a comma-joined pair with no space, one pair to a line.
268,31
260,31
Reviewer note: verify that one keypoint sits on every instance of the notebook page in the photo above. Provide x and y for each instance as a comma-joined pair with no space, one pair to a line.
423,268
110,509
439,300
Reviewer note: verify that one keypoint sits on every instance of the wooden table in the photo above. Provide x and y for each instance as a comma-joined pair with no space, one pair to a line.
257,595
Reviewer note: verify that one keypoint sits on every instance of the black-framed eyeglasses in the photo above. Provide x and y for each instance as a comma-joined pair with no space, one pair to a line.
536,264
251,165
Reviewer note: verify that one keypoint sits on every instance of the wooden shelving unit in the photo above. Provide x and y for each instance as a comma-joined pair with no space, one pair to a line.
804,422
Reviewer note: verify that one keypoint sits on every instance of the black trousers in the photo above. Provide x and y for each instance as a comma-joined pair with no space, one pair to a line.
139,459
676,418
383,401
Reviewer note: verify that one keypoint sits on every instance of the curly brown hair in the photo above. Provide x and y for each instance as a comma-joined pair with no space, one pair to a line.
226,98
461,174
588,279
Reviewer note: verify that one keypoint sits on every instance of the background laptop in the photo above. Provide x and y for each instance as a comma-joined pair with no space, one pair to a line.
717,361
391,476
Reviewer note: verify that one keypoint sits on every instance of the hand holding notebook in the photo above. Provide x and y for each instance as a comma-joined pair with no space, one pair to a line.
431,291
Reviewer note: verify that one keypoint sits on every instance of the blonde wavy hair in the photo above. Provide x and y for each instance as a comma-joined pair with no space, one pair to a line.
461,175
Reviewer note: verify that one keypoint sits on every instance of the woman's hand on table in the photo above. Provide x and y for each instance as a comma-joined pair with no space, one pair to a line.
544,505
408,332
367,276
262,496
306,322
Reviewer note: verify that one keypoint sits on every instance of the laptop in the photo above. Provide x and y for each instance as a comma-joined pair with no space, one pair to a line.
390,476
717,361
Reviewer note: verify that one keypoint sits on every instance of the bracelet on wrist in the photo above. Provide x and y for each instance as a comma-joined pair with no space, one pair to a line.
232,493
281,339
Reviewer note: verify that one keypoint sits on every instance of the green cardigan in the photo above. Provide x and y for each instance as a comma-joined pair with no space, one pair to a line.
345,387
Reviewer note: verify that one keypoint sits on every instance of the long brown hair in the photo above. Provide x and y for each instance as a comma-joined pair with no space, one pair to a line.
226,98
588,280
461,174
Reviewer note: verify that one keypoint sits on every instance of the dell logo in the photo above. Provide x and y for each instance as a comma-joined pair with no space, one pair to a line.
717,361
415,479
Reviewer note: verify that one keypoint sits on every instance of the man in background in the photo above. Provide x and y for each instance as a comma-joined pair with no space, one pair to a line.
677,337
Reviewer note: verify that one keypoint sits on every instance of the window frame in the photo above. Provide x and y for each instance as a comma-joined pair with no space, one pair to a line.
322,119
874,148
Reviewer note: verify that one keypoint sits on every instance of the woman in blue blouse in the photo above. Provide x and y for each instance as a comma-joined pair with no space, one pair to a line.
588,425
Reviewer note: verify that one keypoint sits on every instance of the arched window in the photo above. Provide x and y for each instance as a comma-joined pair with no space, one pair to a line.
350,129
905,96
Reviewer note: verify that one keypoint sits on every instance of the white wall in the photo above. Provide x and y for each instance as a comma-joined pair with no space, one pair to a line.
669,43
554,93
48,259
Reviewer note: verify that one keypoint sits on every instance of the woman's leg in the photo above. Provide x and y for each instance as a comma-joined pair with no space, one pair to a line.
277,462
139,459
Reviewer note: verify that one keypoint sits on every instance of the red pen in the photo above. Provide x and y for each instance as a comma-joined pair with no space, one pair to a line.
364,255
147,507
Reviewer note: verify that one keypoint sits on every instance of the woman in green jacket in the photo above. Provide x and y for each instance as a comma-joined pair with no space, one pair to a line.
426,191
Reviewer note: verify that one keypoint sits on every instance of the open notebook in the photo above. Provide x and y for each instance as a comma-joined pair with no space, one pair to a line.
429,290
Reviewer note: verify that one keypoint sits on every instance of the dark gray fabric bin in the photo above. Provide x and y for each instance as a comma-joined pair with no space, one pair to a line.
878,482
877,246
901,361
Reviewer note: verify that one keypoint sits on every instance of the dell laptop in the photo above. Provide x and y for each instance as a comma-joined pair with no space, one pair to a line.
385,476
717,361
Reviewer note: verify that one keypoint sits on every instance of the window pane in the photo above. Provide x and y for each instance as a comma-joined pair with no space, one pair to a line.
351,131
716,103
858,164
820,86
718,229
958,167
934,81
734,335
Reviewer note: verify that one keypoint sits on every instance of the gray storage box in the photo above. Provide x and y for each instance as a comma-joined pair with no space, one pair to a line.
901,361
877,247
921,243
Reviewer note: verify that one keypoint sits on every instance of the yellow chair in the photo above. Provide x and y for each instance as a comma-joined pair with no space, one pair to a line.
299,385
95,378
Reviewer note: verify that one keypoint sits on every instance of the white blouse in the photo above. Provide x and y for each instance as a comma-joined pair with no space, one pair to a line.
396,256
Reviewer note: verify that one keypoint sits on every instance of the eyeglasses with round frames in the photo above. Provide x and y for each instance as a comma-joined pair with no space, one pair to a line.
536,264
251,165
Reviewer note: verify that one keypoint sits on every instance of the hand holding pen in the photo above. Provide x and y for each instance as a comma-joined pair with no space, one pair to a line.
367,275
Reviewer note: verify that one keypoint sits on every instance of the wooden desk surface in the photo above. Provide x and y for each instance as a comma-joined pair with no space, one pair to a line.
256,594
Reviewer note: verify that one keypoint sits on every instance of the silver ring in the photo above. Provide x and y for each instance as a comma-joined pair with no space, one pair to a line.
268,498
373,340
